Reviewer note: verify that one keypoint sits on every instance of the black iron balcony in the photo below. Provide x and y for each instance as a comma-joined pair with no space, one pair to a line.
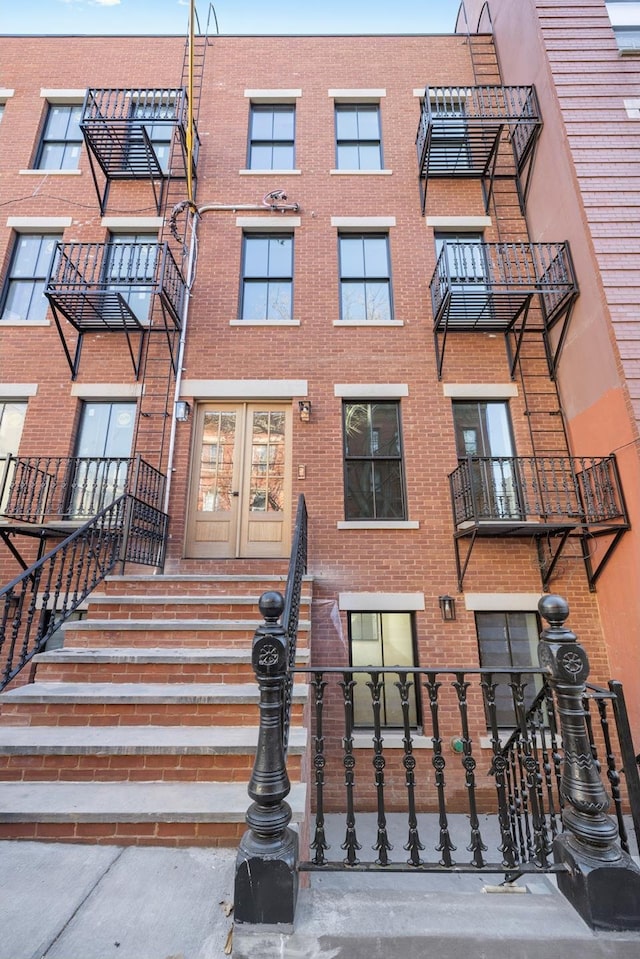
136,134
111,287
461,128
549,496
45,490
489,287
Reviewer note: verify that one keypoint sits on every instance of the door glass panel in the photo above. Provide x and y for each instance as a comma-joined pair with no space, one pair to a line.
217,462
102,456
266,484
11,422
483,432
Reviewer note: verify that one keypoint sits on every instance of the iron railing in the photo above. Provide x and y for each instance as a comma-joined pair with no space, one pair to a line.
37,602
360,768
109,285
291,612
460,126
46,489
488,285
570,491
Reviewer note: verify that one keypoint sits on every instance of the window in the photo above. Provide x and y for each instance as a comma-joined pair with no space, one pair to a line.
12,414
508,640
1,110
267,277
382,639
130,260
61,138
358,143
271,137
483,433
625,20
466,258
374,480
365,277
161,114
449,134
24,297
103,446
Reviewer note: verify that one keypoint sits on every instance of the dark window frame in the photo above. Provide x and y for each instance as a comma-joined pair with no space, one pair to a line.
372,459
355,143
390,680
365,280
38,279
64,142
268,279
274,142
504,705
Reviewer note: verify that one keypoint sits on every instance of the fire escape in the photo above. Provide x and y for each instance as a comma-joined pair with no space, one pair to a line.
524,291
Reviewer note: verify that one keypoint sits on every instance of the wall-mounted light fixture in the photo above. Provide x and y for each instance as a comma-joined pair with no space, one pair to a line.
182,411
304,409
447,608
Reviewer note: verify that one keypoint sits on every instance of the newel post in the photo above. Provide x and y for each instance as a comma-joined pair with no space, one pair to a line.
602,882
266,883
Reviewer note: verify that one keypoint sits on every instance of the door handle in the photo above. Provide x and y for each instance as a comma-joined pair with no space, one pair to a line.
235,493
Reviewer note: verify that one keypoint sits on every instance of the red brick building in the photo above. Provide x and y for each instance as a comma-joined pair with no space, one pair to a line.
439,349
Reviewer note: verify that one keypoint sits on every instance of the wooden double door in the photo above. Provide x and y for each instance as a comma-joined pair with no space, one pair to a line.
240,491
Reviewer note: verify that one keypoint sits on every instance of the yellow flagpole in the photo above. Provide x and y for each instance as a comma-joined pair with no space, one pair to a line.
190,104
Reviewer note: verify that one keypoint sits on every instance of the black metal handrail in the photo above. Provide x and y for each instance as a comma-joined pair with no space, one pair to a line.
291,612
100,270
572,491
499,276
37,602
466,112
160,104
46,489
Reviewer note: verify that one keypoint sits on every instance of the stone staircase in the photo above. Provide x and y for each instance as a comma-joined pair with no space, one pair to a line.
143,727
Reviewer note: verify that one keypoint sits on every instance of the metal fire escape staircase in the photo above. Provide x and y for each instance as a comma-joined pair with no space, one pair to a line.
527,292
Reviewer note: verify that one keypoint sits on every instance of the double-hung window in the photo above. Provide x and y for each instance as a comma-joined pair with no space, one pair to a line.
271,137
267,276
103,446
373,466
382,639
358,140
131,260
61,138
24,297
158,112
12,416
509,641
365,277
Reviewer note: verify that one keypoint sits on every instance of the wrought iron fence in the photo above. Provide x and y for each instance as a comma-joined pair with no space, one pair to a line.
43,489
38,601
557,489
447,769
291,612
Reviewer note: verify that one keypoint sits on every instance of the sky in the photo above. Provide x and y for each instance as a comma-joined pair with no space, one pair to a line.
233,16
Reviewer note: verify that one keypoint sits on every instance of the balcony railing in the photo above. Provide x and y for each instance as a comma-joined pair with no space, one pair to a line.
109,286
556,490
460,128
40,490
487,286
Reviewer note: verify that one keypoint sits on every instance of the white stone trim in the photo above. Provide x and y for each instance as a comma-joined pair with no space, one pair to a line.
63,96
361,172
624,14
132,224
479,391
264,322
378,524
273,96
633,108
364,740
454,223
107,391
244,389
6,93
46,173
25,322
36,224
363,222
357,96
368,322
261,224
277,173
502,602
381,602
18,391
374,391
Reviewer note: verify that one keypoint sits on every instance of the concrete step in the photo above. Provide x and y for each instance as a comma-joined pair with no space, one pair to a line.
103,606
200,584
120,664
136,753
185,814
166,632
113,704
